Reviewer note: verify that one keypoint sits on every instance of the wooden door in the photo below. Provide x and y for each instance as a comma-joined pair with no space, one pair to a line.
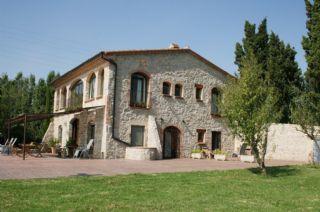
171,143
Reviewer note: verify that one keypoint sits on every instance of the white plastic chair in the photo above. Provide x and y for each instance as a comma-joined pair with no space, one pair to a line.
12,144
3,145
8,148
78,151
85,151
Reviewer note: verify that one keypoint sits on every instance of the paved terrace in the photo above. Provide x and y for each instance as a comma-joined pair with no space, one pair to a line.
13,167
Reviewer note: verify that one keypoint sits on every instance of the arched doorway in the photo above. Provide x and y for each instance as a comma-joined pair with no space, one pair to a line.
171,142
75,131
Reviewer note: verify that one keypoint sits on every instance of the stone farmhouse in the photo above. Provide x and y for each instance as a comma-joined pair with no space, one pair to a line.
142,104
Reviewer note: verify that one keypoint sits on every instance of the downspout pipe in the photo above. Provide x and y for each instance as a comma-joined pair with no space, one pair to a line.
114,97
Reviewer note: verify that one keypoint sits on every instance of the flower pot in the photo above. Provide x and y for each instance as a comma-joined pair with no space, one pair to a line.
247,158
70,151
220,157
53,150
197,155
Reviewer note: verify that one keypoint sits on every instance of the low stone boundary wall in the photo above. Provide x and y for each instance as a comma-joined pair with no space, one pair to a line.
287,142
140,153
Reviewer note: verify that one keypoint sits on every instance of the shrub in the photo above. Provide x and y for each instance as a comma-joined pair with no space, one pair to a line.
53,142
219,152
70,142
196,151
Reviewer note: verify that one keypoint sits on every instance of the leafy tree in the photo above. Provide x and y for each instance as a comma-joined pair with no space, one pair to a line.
23,95
249,107
50,95
306,113
50,91
306,108
311,45
4,100
39,106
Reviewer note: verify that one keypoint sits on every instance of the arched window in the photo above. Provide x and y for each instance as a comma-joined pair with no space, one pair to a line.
101,83
92,84
215,96
138,92
63,97
76,94
166,88
178,90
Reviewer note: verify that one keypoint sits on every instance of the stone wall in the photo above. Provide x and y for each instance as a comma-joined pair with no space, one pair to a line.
115,149
141,153
98,100
286,142
185,113
49,133
85,118
154,137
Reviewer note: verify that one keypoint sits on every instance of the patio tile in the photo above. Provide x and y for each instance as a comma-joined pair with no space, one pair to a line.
12,167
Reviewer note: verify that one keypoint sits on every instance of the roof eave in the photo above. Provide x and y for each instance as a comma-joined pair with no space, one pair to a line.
131,52
54,82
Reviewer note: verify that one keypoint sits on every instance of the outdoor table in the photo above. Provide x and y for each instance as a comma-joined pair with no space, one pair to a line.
31,149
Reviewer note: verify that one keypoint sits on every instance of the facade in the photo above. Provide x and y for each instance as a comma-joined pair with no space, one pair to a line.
141,104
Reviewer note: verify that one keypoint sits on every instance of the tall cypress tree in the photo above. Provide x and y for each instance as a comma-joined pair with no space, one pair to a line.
277,60
311,45
255,41
284,74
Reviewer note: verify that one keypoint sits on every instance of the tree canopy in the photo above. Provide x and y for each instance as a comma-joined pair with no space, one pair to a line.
311,45
24,95
249,106
278,66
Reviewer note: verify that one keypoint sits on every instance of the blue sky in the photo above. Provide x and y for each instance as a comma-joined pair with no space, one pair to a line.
39,36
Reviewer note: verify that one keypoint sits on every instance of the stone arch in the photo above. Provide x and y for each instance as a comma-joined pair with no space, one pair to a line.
139,89
91,86
63,97
74,131
171,142
215,97
76,93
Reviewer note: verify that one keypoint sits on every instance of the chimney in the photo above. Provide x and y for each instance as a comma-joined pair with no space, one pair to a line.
174,46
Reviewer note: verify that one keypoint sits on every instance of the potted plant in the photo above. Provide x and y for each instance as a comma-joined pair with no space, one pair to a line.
197,154
52,143
70,145
219,155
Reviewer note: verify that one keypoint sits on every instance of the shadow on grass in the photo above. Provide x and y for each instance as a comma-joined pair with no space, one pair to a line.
277,171
85,175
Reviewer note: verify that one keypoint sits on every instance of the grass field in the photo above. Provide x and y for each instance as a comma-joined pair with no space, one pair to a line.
285,189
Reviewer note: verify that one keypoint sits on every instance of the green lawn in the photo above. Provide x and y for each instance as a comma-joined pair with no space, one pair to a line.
287,188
